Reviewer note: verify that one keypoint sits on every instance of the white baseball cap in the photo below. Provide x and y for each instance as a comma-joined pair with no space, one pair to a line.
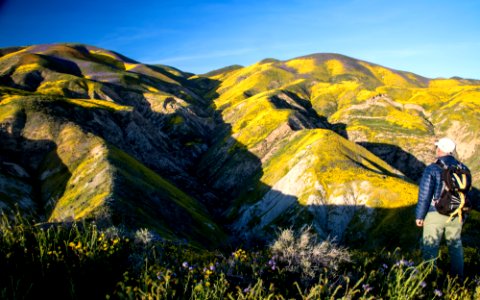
446,145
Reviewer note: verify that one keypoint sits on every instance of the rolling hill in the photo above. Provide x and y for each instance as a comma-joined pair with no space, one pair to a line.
322,139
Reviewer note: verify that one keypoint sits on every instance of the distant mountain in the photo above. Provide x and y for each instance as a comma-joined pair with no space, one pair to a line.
322,139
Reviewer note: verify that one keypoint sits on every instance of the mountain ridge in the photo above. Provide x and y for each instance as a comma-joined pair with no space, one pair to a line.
321,139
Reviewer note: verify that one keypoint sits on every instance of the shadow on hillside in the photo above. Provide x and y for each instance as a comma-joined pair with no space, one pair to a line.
398,158
378,169
192,147
32,80
355,226
230,171
33,163
305,116
171,144
408,164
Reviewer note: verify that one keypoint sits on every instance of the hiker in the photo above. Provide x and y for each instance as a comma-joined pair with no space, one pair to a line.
427,213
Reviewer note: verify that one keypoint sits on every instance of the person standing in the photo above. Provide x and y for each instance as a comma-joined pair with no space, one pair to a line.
436,225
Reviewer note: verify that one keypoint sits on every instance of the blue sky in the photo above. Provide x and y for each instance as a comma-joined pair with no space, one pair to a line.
430,38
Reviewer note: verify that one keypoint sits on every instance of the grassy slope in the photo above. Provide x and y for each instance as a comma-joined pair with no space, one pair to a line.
259,104
14,190
377,105
83,176
147,198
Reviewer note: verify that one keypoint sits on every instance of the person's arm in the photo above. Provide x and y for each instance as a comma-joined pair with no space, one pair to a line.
425,195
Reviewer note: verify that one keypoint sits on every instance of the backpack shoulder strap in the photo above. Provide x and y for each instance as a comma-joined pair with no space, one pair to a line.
441,164
445,175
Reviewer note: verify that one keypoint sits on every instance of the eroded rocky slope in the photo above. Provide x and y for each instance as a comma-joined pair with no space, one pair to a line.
323,139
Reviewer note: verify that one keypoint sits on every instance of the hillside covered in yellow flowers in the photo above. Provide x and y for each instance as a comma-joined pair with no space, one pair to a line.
323,140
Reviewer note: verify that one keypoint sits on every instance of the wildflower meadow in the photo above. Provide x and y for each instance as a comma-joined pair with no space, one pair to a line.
87,261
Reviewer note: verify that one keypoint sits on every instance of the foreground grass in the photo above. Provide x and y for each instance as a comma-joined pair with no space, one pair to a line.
83,261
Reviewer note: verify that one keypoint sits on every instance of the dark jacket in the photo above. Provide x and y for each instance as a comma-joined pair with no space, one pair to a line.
431,186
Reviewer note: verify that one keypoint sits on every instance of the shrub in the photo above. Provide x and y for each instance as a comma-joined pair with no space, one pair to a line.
84,261
302,253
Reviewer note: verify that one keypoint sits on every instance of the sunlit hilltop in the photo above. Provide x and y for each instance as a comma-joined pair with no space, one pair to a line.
322,139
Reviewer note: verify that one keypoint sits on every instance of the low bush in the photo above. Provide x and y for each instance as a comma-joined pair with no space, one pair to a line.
82,261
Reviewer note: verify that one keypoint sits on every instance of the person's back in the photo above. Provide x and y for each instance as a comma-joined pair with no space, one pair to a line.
434,224
430,186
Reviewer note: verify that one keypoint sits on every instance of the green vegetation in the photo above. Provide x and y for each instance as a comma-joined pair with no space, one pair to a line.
101,104
57,260
163,206
8,111
104,137
84,260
